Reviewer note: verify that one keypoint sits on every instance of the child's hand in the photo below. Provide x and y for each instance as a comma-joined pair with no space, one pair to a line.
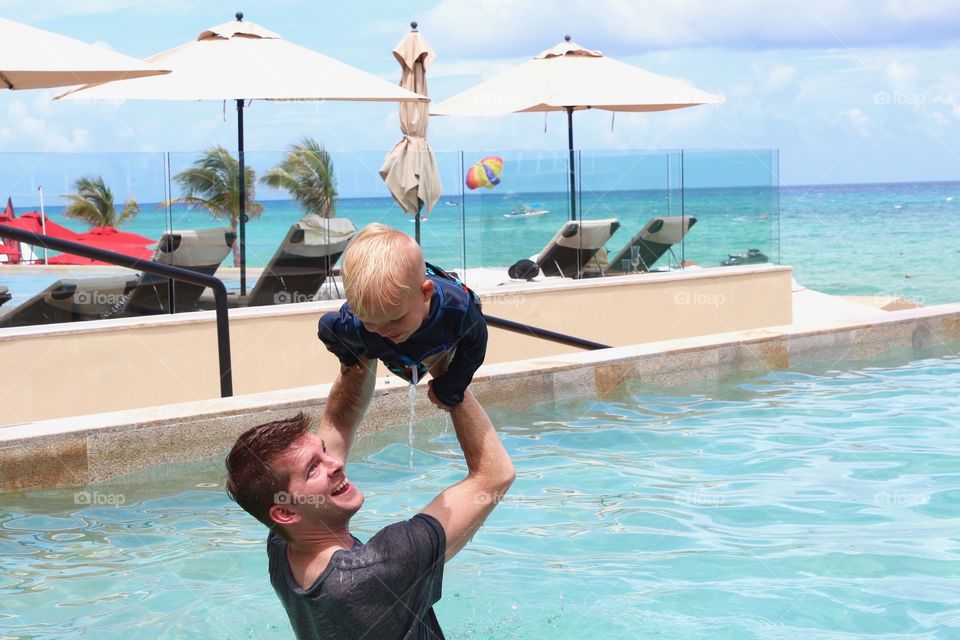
434,399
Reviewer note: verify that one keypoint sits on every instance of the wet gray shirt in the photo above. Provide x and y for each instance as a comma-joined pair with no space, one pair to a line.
382,590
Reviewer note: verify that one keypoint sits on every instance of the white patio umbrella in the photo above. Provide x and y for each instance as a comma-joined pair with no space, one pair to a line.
410,169
570,78
32,58
243,61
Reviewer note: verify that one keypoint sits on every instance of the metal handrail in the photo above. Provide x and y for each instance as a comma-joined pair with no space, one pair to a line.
149,266
546,334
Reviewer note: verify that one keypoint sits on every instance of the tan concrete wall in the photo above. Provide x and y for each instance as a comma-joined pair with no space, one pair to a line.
90,449
94,367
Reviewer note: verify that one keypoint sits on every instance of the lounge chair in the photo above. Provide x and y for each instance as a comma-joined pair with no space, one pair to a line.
70,300
80,299
200,250
655,239
300,265
573,246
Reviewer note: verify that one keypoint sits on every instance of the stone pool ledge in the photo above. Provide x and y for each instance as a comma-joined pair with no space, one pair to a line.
93,448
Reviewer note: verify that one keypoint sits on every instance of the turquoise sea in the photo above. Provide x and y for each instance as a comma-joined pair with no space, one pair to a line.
871,239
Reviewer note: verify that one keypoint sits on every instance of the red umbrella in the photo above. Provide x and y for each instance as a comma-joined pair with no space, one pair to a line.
110,239
9,248
106,236
32,222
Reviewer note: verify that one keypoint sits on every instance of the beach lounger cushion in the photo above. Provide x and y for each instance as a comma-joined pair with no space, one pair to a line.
655,239
574,245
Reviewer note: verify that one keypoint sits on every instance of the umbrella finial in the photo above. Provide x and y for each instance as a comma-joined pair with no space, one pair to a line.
567,37
413,26
239,15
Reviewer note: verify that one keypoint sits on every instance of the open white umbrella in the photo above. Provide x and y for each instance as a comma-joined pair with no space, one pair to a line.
410,169
243,61
569,78
32,58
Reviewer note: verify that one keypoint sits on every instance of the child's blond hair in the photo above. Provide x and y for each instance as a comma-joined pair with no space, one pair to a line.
381,268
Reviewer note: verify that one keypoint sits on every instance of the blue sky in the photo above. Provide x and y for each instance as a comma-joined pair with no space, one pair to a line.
846,90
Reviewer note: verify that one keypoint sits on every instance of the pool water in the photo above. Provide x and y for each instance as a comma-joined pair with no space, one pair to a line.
813,503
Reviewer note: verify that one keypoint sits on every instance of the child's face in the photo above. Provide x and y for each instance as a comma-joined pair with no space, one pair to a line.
400,321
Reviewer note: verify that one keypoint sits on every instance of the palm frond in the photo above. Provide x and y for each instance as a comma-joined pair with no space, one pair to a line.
306,173
93,203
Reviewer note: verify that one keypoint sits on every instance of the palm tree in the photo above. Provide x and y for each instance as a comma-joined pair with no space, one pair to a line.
93,203
211,184
307,175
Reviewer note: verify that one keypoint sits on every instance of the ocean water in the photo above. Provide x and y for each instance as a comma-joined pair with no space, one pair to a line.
875,239
817,503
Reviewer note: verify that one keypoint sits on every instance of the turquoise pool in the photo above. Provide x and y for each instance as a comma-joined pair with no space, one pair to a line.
811,504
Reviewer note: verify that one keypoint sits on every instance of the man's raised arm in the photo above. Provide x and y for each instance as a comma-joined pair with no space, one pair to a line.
348,401
462,508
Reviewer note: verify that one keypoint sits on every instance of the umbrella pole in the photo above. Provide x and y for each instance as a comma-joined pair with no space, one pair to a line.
43,223
573,185
243,202
416,227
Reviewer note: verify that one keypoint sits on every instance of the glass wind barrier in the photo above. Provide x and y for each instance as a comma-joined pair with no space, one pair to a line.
735,197
42,286
634,212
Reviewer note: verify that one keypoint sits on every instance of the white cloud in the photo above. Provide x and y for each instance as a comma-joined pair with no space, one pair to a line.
857,120
32,11
39,132
900,74
778,78
524,27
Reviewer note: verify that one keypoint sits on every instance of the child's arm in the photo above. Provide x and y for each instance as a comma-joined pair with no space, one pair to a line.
448,388
338,332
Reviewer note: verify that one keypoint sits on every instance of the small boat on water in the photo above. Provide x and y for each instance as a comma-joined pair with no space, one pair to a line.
525,211
753,256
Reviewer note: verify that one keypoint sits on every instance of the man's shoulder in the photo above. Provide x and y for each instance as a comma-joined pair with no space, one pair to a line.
418,528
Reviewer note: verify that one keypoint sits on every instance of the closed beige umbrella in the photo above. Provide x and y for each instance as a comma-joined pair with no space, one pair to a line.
569,77
32,58
410,169
243,61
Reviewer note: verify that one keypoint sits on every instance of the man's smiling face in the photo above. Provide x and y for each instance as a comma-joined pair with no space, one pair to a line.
318,491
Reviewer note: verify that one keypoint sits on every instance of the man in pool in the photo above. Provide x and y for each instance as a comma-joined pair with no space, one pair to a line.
331,584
